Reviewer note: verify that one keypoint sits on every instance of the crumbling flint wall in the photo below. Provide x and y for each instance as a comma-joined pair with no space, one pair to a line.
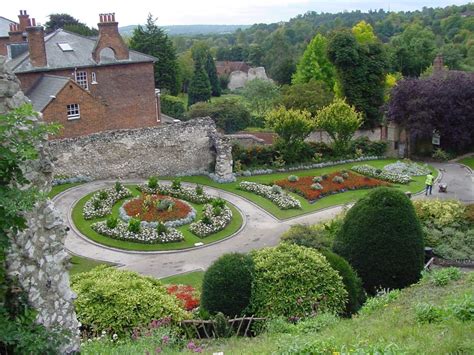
186,148
37,256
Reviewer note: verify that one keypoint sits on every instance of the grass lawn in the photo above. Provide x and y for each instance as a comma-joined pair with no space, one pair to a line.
392,326
56,190
333,200
468,161
84,226
190,278
81,264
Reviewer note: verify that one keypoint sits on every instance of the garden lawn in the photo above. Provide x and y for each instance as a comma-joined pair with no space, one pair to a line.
468,161
333,200
81,264
190,278
392,328
56,190
84,226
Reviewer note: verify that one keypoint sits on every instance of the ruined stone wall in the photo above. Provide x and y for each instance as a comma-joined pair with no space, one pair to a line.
184,148
36,256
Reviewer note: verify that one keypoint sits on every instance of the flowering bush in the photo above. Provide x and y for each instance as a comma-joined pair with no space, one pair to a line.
186,294
145,234
211,222
407,167
332,184
278,197
101,203
195,195
441,213
318,179
316,186
293,178
368,170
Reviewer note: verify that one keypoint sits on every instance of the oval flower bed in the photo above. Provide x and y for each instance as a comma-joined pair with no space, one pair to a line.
332,183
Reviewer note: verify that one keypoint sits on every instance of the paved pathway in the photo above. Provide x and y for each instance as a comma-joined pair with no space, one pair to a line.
260,228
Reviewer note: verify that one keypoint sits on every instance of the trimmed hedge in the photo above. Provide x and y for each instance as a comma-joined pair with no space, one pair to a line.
227,285
118,301
172,106
294,281
382,239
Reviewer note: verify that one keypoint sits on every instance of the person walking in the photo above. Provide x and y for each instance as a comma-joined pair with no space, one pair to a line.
429,183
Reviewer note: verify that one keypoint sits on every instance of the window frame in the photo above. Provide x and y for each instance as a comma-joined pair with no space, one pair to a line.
73,111
82,79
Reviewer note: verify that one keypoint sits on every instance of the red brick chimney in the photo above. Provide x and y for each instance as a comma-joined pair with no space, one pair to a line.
36,45
15,34
24,20
109,37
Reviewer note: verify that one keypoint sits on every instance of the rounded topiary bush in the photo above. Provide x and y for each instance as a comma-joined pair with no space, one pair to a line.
382,239
118,301
295,281
227,285
352,282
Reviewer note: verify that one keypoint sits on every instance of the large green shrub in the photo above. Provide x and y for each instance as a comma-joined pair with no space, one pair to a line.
227,285
382,239
117,301
352,282
172,106
290,281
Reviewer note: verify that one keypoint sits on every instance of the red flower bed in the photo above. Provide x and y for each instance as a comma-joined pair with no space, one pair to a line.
135,208
353,182
188,295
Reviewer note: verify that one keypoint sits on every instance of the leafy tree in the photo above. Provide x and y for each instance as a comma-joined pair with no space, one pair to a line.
186,70
382,239
152,40
227,285
229,114
278,59
442,102
260,96
315,65
361,72
199,89
292,127
413,50
256,55
310,96
340,121
364,33
69,23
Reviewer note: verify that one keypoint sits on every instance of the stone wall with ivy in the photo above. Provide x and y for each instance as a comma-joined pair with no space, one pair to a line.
185,148
36,257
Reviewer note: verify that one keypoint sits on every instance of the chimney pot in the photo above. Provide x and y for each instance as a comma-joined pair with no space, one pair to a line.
109,37
33,20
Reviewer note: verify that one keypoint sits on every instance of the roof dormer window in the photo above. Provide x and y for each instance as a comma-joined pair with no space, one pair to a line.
65,47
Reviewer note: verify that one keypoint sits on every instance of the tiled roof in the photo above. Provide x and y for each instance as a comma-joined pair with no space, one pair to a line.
5,26
45,90
80,56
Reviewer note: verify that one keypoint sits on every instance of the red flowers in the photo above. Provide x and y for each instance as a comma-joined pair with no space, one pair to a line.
151,213
188,295
353,182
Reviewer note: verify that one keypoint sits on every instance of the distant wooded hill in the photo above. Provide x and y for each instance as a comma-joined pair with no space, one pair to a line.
190,29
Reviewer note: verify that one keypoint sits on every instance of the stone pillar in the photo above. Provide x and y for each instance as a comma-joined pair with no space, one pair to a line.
223,168
36,256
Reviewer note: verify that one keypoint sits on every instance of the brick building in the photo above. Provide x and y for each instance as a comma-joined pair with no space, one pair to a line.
86,84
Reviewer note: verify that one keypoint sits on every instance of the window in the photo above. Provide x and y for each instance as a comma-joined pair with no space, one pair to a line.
81,79
93,78
73,112
65,47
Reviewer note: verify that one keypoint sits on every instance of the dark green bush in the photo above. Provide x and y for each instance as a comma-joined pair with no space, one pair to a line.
172,106
227,285
368,147
112,222
152,182
316,237
352,282
382,239
134,225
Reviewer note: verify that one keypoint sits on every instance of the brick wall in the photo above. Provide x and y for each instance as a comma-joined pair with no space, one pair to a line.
126,90
3,45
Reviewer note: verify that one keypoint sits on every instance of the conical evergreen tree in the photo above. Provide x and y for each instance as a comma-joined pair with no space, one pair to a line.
199,87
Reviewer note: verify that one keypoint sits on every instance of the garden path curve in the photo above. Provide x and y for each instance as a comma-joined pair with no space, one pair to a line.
260,228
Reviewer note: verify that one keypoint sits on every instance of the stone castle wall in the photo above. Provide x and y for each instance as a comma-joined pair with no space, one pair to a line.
184,148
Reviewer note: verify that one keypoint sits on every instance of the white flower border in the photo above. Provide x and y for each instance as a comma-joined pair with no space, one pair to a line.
184,193
146,235
381,174
105,208
217,224
282,200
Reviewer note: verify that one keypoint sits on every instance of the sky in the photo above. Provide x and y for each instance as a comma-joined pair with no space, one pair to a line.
189,12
